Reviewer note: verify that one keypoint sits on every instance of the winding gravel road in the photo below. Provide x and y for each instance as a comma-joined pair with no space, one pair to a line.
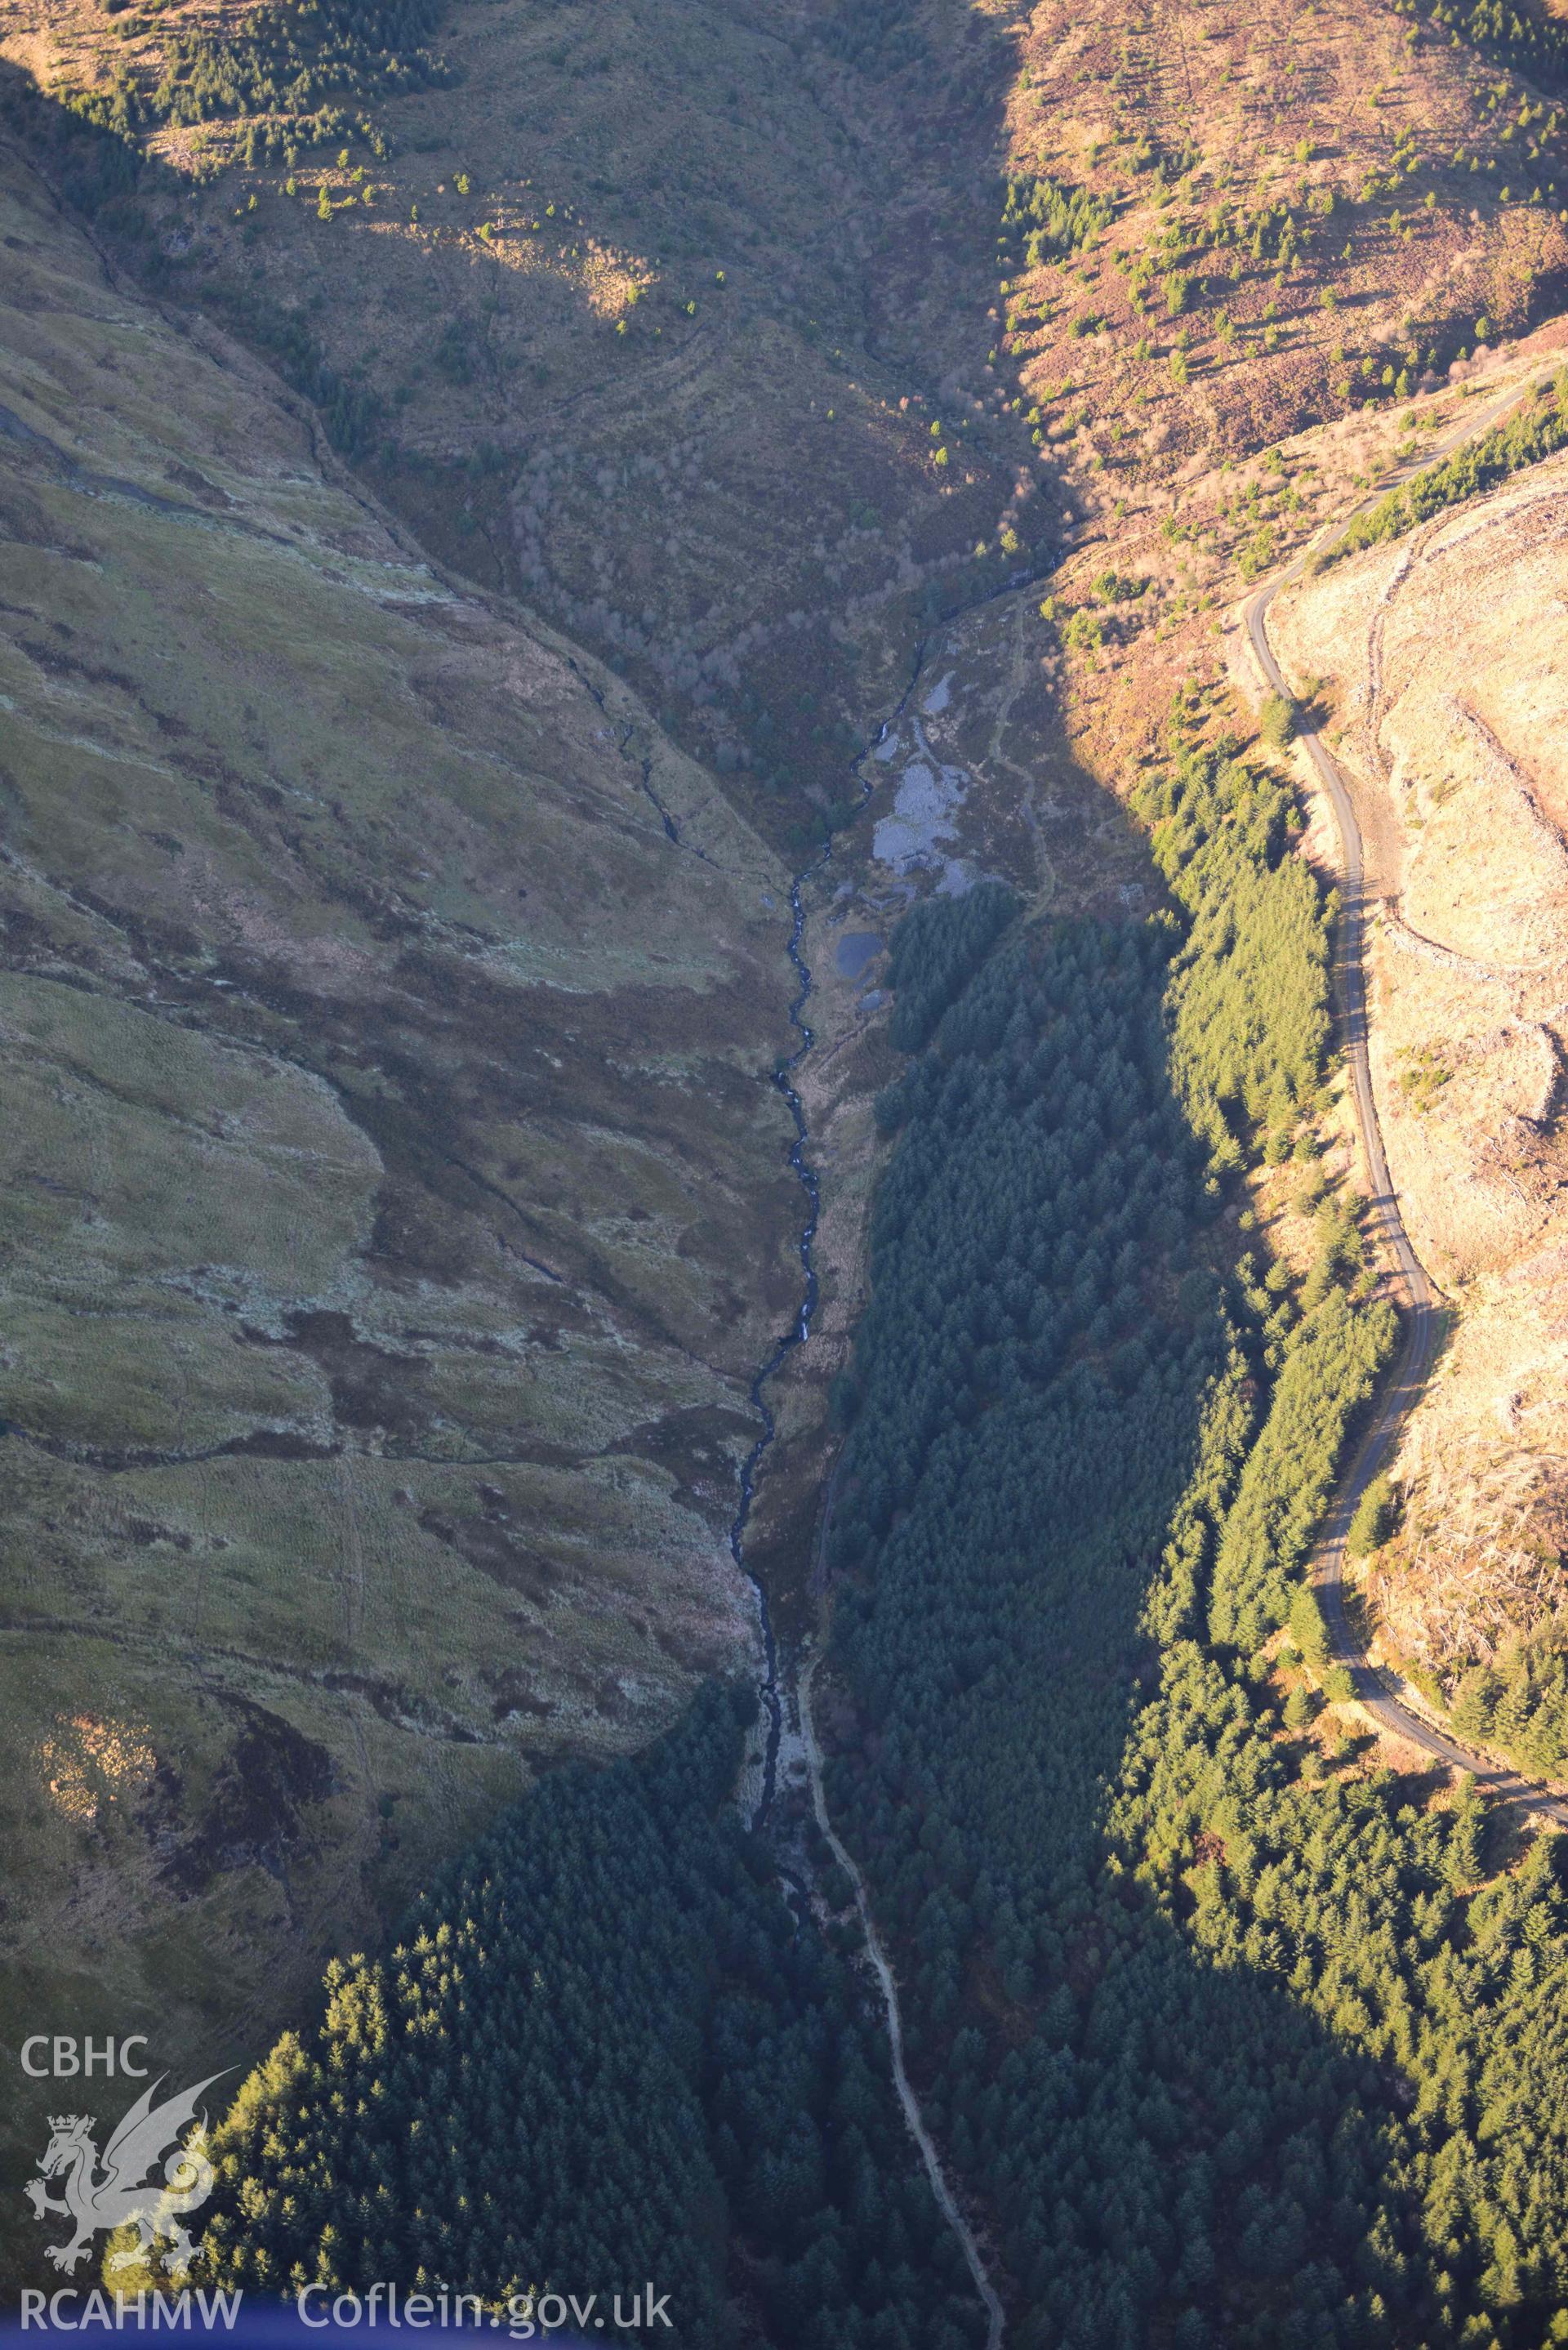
1381,1693
1389,1701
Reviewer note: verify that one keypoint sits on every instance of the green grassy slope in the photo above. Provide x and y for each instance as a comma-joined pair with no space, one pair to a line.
394,1199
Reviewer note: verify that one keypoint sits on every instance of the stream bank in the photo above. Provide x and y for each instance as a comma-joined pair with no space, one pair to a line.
951,807
935,823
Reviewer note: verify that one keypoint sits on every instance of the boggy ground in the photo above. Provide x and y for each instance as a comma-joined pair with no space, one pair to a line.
716,335
973,778
1436,653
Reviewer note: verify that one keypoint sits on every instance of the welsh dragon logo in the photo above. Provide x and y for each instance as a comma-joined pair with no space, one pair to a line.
111,2190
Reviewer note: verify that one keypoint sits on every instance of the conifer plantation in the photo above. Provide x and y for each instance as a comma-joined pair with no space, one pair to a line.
1229,2038
604,2054
1239,2041
1537,429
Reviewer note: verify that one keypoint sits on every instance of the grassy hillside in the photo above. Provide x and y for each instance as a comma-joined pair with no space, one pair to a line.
394,1204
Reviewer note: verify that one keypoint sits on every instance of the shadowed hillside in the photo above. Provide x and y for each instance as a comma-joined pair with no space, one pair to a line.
744,341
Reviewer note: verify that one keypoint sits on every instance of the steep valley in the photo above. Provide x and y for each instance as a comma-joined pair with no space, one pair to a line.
747,342
685,1271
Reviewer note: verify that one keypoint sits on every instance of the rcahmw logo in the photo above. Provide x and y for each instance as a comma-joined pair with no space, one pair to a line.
102,2192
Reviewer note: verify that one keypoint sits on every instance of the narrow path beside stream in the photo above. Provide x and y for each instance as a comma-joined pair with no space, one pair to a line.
946,2200
783,1679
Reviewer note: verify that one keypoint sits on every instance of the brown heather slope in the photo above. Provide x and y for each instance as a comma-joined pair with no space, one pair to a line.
611,307
394,1203
513,317
1304,210
648,313
1442,653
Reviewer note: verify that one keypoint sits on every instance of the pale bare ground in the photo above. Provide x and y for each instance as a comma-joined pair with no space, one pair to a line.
1445,655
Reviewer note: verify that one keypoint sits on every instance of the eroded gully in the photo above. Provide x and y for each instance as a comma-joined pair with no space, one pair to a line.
806,1175
773,1694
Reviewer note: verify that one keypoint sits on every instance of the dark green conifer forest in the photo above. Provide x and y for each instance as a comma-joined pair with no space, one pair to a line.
603,2053
1228,2037
1236,2042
